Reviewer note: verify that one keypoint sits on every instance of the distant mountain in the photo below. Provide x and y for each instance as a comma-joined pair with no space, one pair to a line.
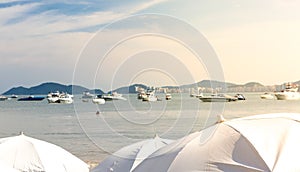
45,88
209,84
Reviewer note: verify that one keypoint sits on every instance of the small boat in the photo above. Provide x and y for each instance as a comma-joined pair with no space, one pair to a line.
290,92
87,95
32,98
218,98
58,97
65,98
150,97
98,100
267,96
13,96
113,96
240,97
2,98
168,96
141,95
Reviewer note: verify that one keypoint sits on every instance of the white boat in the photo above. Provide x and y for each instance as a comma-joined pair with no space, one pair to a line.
267,96
218,98
53,97
65,98
87,95
240,97
13,96
168,96
289,93
113,96
150,97
141,95
2,98
98,100
58,97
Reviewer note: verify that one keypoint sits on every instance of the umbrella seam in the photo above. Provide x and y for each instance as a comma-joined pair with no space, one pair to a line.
251,145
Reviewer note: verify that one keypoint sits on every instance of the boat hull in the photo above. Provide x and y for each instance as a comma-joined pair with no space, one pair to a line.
287,96
31,99
217,99
98,101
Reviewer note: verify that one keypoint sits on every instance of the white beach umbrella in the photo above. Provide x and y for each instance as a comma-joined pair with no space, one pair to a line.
127,158
31,155
258,143
5,168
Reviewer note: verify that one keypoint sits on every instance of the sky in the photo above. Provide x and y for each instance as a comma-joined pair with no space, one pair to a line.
108,44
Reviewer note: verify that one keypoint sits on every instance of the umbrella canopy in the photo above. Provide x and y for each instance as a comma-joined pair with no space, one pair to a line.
129,157
259,143
5,168
31,155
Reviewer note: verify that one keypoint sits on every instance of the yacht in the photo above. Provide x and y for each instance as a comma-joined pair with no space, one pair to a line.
98,100
32,98
141,95
113,96
240,97
58,97
218,98
87,95
267,96
168,96
290,92
2,98
150,97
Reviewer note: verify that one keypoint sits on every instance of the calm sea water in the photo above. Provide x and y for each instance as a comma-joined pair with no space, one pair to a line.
91,137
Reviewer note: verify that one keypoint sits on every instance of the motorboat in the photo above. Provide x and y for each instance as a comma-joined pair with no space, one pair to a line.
141,95
58,97
2,98
13,96
150,97
53,97
32,98
218,98
168,96
290,92
267,96
98,100
87,95
240,97
113,96
65,98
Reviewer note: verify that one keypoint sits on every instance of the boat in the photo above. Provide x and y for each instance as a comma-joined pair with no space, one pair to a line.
13,96
240,97
218,98
2,98
141,95
168,96
290,92
87,95
53,97
98,100
113,96
150,97
58,97
65,98
32,98
267,96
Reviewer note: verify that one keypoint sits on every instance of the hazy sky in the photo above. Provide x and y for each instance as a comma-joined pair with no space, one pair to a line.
94,44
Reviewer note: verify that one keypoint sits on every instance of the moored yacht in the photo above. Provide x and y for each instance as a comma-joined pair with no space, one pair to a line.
58,97
218,98
290,92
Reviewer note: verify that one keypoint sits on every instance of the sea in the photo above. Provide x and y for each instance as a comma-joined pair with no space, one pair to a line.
92,136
